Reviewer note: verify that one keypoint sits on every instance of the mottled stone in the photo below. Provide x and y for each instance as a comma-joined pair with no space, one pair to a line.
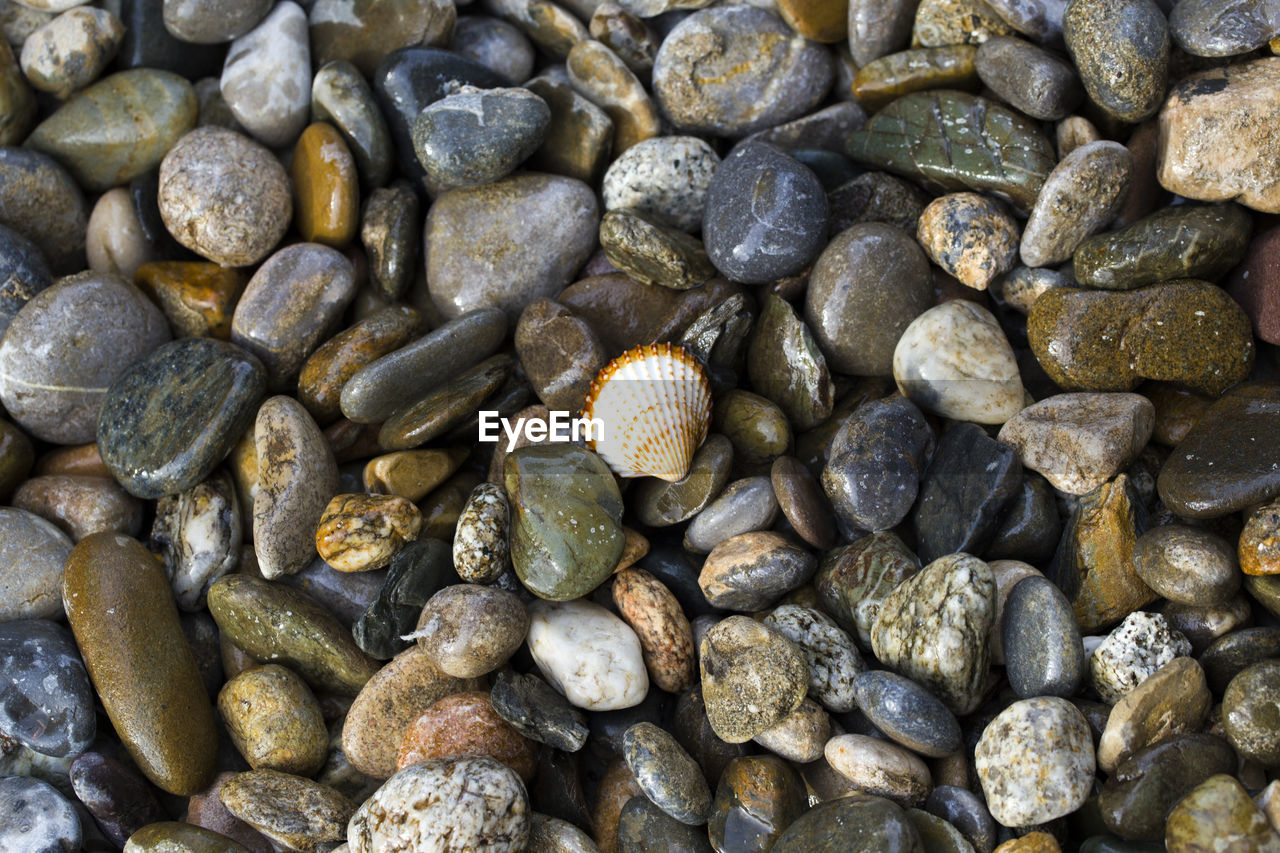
1218,814
1249,713
34,816
46,703
470,630
834,661
1082,194
1172,701
666,177
70,51
800,735
786,366
176,837
877,28
1041,642
1132,653
266,77
294,812
879,768
666,774
466,724
1121,50
478,136
666,638
197,297
1188,565
752,677
360,533
274,720
653,253
588,654
41,202
876,197
940,22
751,570
757,799
853,581
970,237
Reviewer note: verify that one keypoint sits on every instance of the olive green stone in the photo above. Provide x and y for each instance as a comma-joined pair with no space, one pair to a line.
296,813
566,519
274,720
1145,786
17,102
276,624
758,798
1218,815
177,837
882,80
786,365
954,141
756,427
858,823
659,503
653,253
752,677
120,608
1251,712
1187,241
118,128
446,407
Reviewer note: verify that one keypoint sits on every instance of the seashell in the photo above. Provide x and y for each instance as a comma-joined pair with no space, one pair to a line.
654,408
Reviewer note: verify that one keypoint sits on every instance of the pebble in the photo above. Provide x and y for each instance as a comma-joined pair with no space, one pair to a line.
194,22
766,214
1080,441
653,253
876,29
41,202
800,735
70,51
666,774
508,243
1174,700
46,703
1218,813
115,240
907,713
751,570
325,185
117,796
752,678
1031,79
341,96
224,196
954,360
862,822
120,608
34,816
1127,78
853,581
23,273
855,318
758,797
803,504
470,630
537,711
265,78
588,654
666,177
360,533
642,827
728,71
1247,94
293,812
580,139
969,237
949,66
163,836
880,769
963,810
1041,644
467,724
1253,284
81,505
666,638
1188,565
495,44
416,572
17,101
785,365
33,552
601,77
274,720
478,136
1133,652
433,804
1082,194
876,197
833,658
1035,761
1247,708
1147,785
174,415
326,371
197,297
956,21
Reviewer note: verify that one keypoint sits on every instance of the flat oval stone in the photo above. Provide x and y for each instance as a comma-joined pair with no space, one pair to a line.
120,607
879,768
1218,810
752,677
855,317
1082,194
751,570
166,836
851,823
588,654
46,703
1042,646
1127,77
276,624
224,196
81,505
294,812
265,80
932,628
749,71
907,713
1035,761
659,503
508,243
173,416
66,346
666,774
341,96
41,201
1033,80
566,533
882,80
34,816
33,552
787,223
476,137
538,711
785,365
274,720
1172,701
197,297
1187,565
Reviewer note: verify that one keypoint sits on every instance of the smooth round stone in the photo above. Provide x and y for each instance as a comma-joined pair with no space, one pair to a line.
472,630
173,416
1228,655
115,240
176,837
653,253
757,799
23,273
1172,701
1031,79
666,774
588,654
856,318
877,28
478,136
757,428
834,661
495,44
1008,574
1218,813
566,533
1126,78
744,506
121,610
666,638
1080,441
1187,565
666,177
751,570
760,73
970,237
1136,798
862,822
508,243
197,534
933,626
853,581
81,505
363,33
266,78
274,720
33,552
46,702
802,502
1222,29
1132,653
275,624
537,711
752,678
467,724
1082,194
294,812
907,713
327,370
212,23
41,202
341,96
66,346
224,196
1249,712
955,361
118,128
880,769
297,476
659,503
70,51
786,366
1041,641
327,195
766,215
34,816
642,827
1035,761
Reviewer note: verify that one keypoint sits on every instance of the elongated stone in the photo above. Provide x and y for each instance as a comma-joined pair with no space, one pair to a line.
948,67
786,365
341,96
121,610
1082,194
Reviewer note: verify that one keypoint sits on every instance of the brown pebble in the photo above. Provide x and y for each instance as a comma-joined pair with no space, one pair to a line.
326,191
360,533
666,638
467,724
197,297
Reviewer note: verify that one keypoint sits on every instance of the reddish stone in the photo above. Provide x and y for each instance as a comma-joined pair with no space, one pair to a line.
1255,284
467,724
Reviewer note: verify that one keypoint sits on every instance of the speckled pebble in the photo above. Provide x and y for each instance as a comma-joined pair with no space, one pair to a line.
969,236
666,177
834,660
471,630
1132,653
879,768
752,677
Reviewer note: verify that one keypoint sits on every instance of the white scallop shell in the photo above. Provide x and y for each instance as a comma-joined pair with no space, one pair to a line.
653,405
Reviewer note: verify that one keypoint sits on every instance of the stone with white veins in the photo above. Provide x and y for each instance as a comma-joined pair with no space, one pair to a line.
1079,441
1082,194
933,628
1035,761
480,550
1132,653
834,660
588,654
266,80
666,176
955,361
880,768
198,534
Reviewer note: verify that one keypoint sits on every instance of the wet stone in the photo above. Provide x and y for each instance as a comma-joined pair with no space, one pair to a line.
940,22
470,630
949,66
416,572
466,724
115,794
666,638
963,810
197,297
274,720
32,552
653,253
786,366
1041,643
853,581
46,703
876,197
752,677
360,533
588,654
580,138
834,660
851,823
750,570
17,101
477,136
1218,811
1172,701
70,51
41,202
642,827
294,812
1126,78
908,713
200,24
266,75
362,34
495,44
341,96
23,273
1248,712
81,505
970,237
560,353
803,504
1081,195
666,773
880,768
326,191
1028,77
34,816
757,799
162,836
666,177
1188,565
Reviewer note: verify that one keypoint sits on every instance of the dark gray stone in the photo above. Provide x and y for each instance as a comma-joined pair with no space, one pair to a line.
1042,647
477,136
538,711
907,713
23,274
46,701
